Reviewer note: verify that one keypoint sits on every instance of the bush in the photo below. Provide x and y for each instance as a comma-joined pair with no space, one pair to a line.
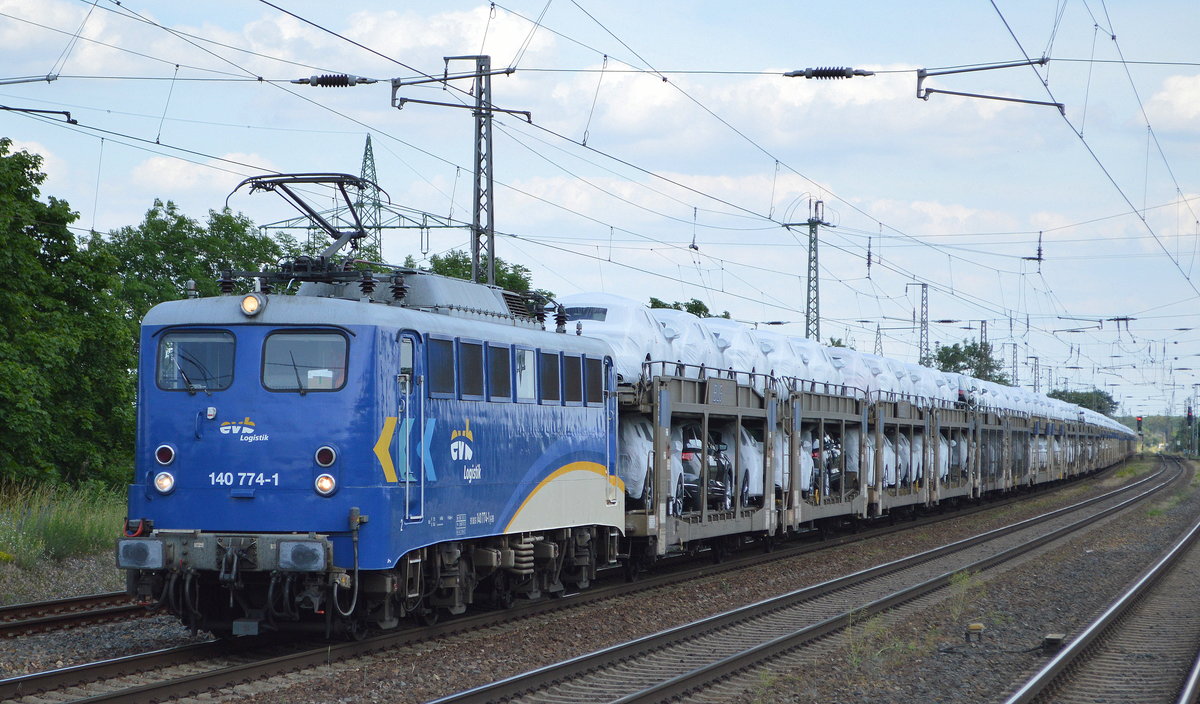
53,522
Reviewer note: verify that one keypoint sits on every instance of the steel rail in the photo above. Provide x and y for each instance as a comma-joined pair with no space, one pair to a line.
1071,654
35,617
1190,694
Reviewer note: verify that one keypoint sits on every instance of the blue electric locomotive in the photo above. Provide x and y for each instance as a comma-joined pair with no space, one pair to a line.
346,456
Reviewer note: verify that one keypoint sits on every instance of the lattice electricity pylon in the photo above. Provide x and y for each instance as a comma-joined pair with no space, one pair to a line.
812,308
925,359
483,244
370,211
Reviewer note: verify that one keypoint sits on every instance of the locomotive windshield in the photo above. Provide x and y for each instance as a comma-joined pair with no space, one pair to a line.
304,361
195,361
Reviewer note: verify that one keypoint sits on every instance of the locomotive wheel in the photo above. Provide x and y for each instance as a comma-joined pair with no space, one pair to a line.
427,615
356,629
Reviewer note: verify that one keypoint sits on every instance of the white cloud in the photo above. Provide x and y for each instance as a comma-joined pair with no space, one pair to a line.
52,165
160,174
1177,105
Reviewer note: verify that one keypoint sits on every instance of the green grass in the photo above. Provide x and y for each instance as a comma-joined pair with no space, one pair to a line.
39,523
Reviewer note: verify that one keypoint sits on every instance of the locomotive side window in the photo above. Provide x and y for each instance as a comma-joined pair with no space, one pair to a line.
195,361
499,374
526,375
548,369
594,380
441,366
470,369
572,379
304,361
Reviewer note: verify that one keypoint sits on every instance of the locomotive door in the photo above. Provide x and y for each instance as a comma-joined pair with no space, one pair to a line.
410,412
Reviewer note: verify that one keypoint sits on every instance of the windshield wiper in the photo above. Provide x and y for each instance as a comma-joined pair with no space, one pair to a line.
191,388
200,368
296,368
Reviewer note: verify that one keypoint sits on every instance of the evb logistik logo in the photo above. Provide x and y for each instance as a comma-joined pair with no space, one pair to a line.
245,430
462,452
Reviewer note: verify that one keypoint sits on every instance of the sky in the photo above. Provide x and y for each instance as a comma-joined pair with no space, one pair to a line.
667,155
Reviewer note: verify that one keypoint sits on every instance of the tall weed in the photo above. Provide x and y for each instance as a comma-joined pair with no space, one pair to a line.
53,522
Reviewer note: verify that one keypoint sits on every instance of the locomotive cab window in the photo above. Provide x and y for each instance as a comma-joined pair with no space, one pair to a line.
195,361
304,361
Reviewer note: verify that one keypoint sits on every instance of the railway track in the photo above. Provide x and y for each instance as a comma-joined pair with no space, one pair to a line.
194,668
38,617
683,662
1140,650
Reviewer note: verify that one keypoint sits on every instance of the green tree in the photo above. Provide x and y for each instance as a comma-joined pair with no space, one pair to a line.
839,342
1097,400
457,264
694,306
973,359
159,256
66,365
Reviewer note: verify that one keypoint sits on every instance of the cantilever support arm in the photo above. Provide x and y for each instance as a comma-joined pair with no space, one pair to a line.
923,93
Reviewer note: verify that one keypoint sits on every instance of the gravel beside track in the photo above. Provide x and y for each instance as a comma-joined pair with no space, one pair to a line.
909,661
77,577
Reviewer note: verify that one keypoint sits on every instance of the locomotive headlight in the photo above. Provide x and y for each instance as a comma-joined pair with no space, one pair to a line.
325,484
301,555
164,482
253,303
141,554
